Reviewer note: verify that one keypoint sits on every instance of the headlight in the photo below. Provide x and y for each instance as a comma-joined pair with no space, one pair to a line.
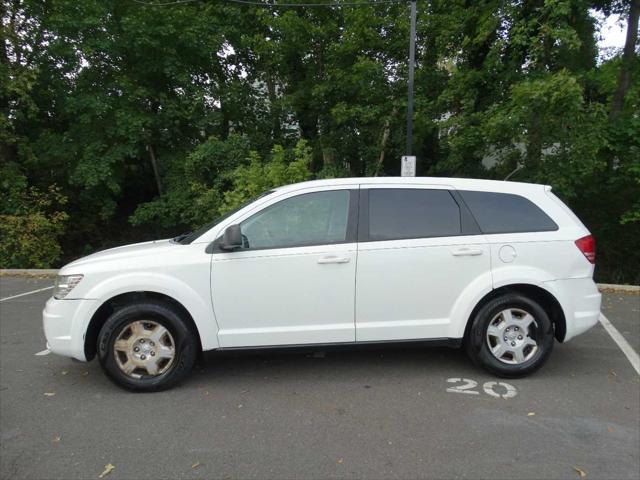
64,284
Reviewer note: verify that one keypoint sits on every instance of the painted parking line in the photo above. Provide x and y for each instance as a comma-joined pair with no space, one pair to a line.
26,293
627,349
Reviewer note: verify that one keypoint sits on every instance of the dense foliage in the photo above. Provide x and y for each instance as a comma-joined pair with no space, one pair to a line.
122,121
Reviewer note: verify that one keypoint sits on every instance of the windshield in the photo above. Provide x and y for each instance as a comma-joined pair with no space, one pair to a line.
188,238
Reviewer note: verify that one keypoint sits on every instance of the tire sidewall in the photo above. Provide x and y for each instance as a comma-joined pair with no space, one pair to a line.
183,338
479,349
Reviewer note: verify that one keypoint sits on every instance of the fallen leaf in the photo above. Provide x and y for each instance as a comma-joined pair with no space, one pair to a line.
610,429
64,372
108,468
49,394
56,439
581,472
531,414
340,460
613,373
195,465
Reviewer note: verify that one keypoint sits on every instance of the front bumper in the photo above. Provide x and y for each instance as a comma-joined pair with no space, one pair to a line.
63,322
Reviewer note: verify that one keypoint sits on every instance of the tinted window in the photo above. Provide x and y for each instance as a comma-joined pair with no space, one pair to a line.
506,213
412,213
309,219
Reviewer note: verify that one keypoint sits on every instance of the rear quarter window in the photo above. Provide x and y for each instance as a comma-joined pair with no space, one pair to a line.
506,213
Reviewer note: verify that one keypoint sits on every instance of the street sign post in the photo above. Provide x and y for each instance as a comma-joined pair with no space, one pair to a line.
408,168
412,62
408,162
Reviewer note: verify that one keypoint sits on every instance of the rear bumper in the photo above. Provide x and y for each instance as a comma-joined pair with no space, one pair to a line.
62,321
580,301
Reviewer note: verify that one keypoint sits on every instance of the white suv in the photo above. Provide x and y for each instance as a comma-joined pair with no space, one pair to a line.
502,268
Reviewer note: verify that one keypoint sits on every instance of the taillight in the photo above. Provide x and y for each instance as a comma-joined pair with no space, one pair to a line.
587,246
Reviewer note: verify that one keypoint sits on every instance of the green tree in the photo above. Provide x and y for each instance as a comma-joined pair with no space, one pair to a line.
31,223
257,177
152,119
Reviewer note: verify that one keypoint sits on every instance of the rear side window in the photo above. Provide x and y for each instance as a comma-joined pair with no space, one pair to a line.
506,213
412,213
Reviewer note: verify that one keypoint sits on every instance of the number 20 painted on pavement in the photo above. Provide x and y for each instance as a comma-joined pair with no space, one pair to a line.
488,387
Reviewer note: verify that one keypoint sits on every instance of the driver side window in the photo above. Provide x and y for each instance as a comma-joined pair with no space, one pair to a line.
317,218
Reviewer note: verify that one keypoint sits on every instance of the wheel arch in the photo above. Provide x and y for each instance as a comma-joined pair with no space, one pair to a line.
112,304
544,297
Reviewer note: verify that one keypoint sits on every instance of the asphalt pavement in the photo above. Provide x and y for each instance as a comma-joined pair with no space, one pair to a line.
387,413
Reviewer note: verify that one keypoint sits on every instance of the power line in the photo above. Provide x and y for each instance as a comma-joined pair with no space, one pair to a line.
324,4
164,4
277,5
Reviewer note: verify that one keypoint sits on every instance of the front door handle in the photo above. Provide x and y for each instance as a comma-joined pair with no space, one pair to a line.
466,252
333,259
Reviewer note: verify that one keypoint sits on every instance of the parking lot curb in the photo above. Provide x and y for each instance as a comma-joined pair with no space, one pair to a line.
611,287
33,272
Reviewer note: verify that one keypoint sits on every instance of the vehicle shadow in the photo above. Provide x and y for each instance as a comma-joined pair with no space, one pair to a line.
338,364
392,361
380,364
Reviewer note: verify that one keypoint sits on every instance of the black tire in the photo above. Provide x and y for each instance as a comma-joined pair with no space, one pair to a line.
184,339
478,348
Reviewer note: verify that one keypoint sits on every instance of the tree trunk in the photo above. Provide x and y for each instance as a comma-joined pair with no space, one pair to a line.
274,109
8,150
628,59
383,143
154,164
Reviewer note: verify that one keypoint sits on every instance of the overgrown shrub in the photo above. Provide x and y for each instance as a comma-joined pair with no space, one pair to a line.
31,223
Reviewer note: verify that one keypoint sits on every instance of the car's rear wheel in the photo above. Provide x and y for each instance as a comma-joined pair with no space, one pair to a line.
147,347
511,336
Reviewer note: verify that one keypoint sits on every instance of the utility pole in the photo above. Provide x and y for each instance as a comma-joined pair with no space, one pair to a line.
408,165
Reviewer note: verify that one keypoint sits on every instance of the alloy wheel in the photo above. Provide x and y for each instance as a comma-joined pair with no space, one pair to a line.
144,348
512,336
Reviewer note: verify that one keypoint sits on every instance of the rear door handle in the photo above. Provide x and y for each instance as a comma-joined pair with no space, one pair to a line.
333,259
466,252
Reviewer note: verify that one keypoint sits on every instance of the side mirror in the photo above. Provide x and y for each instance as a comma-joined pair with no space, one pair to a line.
232,238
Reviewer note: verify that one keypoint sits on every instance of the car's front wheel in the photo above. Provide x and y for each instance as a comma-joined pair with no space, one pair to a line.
511,336
147,347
